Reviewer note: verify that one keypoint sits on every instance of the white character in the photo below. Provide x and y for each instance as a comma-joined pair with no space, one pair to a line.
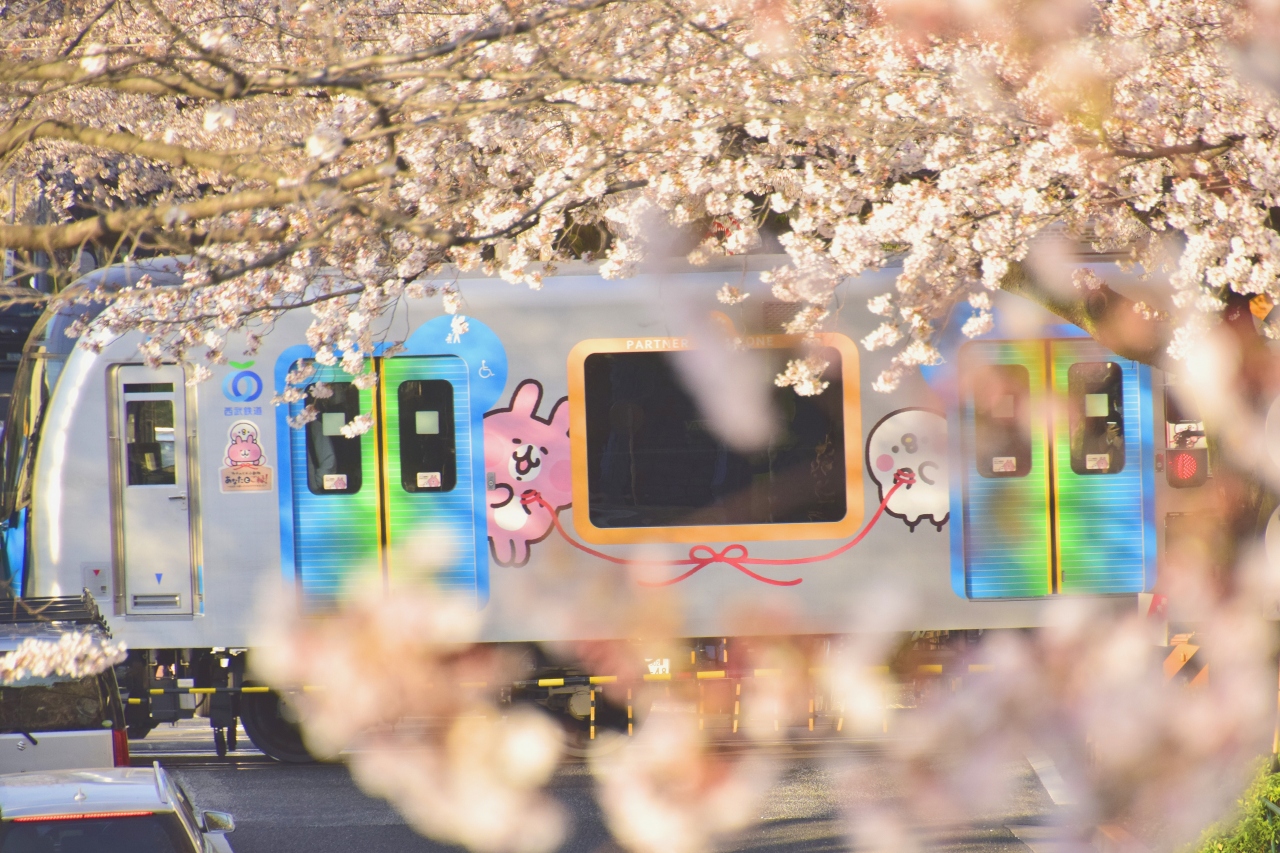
913,440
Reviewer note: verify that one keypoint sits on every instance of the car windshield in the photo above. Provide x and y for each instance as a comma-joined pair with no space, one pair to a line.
55,704
149,833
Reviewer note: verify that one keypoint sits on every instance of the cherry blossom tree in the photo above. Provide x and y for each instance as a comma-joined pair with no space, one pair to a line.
386,140
969,143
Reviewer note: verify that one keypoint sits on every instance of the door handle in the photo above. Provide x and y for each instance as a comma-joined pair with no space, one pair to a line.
177,497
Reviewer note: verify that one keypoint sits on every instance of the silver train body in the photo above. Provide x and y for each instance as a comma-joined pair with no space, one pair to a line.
590,444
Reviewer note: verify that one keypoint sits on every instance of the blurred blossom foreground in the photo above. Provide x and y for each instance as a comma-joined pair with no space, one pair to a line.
424,718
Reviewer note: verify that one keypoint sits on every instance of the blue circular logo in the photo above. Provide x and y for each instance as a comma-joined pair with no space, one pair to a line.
242,387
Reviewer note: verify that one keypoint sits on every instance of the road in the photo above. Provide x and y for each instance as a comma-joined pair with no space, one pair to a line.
317,809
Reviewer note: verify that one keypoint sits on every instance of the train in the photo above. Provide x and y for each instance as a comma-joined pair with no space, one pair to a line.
572,433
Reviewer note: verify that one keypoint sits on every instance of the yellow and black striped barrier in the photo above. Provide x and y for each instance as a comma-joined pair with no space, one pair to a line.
691,676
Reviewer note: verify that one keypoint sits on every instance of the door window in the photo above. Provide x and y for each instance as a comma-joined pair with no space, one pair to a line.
149,442
428,460
333,459
1002,420
1095,413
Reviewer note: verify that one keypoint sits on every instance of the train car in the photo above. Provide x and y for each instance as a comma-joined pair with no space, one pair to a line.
590,432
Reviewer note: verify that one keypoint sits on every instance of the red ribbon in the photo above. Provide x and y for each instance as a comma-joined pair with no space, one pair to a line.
701,556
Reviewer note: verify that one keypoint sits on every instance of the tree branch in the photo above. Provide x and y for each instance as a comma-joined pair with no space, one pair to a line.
1107,315
127,143
141,221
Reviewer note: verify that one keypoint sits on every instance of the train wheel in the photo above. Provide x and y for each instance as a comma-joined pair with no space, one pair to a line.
270,731
574,718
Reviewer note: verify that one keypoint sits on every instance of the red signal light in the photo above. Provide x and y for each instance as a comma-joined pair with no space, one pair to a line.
1186,468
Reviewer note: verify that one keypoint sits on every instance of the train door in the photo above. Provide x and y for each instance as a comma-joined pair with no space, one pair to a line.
396,503
427,472
153,531
1005,483
1103,449
336,502
1056,440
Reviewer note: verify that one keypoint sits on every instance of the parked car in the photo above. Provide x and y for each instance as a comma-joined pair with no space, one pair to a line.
58,723
116,810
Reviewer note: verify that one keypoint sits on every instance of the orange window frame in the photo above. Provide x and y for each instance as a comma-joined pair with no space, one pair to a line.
853,450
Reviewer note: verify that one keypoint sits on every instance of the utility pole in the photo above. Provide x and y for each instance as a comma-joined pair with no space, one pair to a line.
41,280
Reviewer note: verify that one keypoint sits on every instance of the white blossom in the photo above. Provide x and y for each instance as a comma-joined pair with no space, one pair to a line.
804,375
219,117
730,295
94,61
325,144
75,654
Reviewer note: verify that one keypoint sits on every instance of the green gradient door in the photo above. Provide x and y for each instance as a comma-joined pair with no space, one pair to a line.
427,487
1005,475
336,495
1104,531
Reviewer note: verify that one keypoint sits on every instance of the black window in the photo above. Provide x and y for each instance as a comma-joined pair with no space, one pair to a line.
652,461
57,704
1095,415
428,461
149,442
136,833
1001,396
333,460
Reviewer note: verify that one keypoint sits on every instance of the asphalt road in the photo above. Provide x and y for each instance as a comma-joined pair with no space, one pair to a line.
318,809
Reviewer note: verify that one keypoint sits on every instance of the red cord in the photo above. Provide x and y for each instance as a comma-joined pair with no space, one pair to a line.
701,556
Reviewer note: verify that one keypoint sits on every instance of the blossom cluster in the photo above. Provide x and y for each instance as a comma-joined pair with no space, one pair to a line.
74,654
511,138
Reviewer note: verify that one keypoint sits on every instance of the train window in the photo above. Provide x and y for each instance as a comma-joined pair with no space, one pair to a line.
1002,420
428,462
652,461
1095,415
333,460
149,442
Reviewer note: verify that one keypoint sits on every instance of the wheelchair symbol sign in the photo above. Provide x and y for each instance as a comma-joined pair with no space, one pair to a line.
485,372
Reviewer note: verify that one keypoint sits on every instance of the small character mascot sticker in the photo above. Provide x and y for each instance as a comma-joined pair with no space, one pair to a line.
245,464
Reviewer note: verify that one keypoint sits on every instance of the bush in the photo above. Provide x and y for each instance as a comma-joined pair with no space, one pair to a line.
1250,830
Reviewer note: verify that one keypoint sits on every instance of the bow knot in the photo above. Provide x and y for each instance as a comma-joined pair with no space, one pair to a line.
703,555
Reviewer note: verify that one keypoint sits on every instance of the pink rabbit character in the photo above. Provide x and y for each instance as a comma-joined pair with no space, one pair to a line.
244,450
524,453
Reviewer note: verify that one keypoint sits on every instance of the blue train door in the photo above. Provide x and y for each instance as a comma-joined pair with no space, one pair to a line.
404,502
1056,469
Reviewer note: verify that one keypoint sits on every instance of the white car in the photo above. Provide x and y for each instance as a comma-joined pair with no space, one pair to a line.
112,810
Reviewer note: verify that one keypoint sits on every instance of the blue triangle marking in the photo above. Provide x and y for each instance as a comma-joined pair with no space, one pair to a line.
159,575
